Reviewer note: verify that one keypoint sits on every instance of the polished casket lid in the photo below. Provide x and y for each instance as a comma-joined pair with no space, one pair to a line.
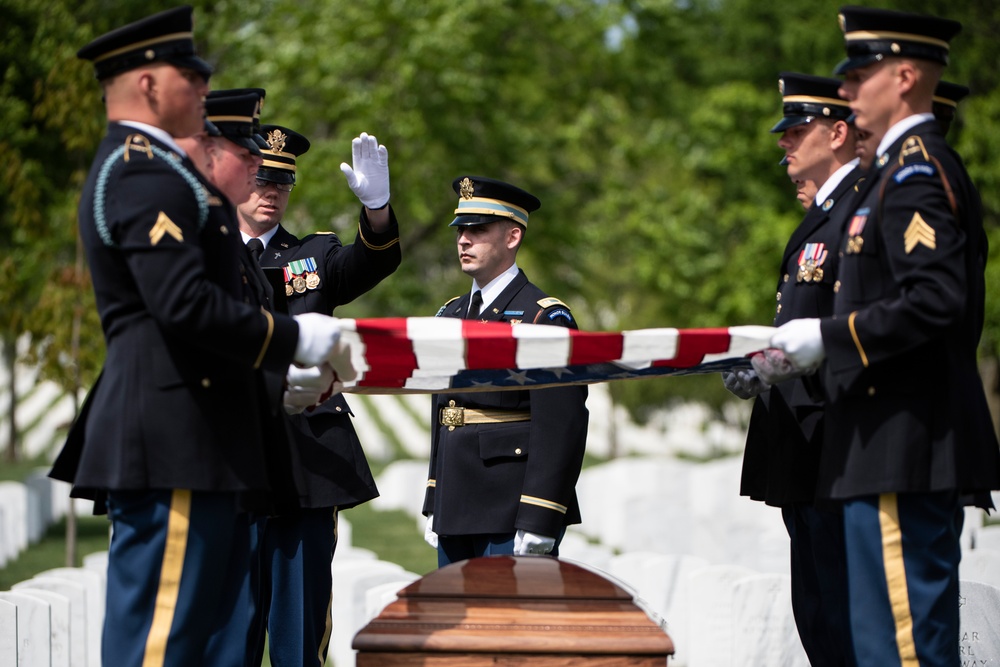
515,604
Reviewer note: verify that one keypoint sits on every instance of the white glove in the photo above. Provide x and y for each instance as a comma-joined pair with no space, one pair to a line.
430,537
526,543
744,383
772,366
801,341
340,360
369,178
307,387
318,336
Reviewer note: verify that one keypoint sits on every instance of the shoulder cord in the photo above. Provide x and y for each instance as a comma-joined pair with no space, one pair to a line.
100,190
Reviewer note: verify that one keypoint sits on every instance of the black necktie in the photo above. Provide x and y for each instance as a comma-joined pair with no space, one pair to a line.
256,249
475,305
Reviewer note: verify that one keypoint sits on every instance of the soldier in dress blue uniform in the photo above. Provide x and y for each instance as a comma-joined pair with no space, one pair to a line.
317,273
504,465
785,436
169,436
908,431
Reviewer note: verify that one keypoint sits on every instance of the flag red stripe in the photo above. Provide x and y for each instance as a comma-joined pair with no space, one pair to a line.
488,345
388,350
594,347
694,344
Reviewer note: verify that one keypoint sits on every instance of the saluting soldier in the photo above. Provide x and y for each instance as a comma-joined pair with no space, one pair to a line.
908,430
503,465
785,435
169,434
316,273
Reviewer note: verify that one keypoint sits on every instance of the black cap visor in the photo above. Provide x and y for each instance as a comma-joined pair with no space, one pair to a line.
190,62
471,220
857,62
791,121
275,175
244,141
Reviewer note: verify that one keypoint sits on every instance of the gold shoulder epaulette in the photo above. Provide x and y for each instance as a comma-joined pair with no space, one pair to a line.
913,147
550,301
137,142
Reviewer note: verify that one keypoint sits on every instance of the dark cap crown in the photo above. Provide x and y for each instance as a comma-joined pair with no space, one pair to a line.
482,200
947,95
234,114
873,34
166,36
805,97
259,92
283,147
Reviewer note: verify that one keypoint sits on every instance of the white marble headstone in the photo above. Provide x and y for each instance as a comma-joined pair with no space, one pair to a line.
8,633
59,607
764,630
711,621
34,629
979,633
76,594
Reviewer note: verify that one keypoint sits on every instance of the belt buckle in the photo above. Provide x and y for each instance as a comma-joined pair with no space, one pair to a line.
452,416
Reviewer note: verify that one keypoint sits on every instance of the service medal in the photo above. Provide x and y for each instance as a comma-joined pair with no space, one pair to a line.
312,276
818,274
854,230
299,284
288,281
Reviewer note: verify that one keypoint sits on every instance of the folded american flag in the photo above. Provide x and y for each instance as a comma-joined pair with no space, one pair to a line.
436,354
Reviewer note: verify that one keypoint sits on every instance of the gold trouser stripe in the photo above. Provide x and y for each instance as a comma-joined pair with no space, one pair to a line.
267,339
324,643
376,247
178,523
542,502
857,341
895,578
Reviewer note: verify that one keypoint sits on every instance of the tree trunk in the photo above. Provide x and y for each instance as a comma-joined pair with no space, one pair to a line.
9,358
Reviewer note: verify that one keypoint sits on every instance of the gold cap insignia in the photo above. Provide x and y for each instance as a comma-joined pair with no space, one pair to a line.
466,188
276,140
781,87
843,22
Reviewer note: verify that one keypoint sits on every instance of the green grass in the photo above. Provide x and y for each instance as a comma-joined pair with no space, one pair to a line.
50,552
395,536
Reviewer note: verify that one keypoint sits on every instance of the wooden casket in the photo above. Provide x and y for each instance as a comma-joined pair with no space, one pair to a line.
513,610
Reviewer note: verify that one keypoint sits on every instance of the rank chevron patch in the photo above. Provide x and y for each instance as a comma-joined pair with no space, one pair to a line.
918,232
164,225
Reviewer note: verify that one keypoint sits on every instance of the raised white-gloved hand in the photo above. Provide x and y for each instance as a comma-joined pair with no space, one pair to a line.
369,177
773,366
307,387
526,543
318,336
430,537
802,342
744,383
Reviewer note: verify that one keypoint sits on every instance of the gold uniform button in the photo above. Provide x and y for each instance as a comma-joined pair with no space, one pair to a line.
836,287
518,451
785,279
224,230
339,409
871,391
777,297
779,308
206,383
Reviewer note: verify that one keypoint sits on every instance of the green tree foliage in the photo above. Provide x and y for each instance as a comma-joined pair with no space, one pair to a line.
642,125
